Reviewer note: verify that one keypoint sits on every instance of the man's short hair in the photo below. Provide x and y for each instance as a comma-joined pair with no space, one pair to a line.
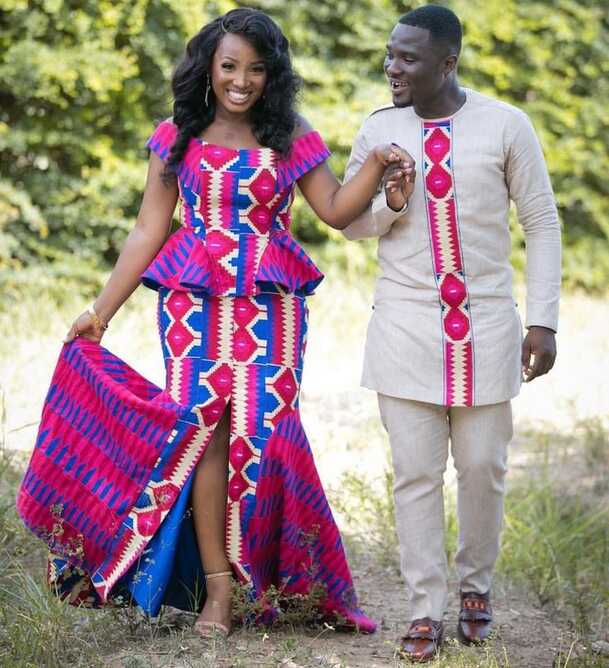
443,25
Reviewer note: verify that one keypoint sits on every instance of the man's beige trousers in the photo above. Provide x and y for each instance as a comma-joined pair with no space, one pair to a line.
419,434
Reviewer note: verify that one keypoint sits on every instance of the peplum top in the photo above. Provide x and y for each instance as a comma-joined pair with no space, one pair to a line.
234,209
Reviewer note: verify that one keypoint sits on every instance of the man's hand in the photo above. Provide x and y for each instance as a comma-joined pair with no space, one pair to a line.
539,344
398,180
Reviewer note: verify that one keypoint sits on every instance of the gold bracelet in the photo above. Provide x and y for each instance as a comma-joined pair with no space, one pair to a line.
97,321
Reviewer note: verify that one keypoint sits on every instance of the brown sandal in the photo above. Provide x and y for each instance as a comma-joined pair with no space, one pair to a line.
422,641
209,629
475,618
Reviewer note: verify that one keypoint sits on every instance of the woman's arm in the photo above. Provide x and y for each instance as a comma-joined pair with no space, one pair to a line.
142,244
338,205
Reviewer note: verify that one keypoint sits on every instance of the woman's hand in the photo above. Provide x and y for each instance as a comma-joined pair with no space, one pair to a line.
387,154
87,326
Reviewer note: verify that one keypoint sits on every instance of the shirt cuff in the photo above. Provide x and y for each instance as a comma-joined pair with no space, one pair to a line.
384,216
540,314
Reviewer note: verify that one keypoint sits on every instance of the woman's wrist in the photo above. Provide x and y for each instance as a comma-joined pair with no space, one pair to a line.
379,153
104,310
98,318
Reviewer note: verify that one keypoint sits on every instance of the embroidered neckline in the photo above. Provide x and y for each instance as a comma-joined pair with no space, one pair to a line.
204,142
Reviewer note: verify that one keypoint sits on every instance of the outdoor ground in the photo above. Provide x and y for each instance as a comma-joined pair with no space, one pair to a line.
551,596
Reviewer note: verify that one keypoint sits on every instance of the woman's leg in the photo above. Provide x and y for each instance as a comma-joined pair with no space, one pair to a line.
209,514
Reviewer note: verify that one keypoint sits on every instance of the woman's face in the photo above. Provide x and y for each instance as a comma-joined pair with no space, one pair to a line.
238,74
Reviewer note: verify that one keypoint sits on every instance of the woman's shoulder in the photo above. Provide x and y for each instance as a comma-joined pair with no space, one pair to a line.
302,127
308,150
163,138
168,126
305,137
166,129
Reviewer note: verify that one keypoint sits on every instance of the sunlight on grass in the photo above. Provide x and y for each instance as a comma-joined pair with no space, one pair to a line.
555,542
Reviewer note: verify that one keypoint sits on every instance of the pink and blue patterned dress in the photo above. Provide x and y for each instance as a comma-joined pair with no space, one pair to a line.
109,481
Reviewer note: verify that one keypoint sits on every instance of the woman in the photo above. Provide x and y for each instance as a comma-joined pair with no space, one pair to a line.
163,497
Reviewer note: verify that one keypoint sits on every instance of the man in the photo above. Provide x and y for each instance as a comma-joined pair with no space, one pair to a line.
444,349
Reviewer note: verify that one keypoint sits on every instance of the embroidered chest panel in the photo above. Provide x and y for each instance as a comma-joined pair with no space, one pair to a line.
448,265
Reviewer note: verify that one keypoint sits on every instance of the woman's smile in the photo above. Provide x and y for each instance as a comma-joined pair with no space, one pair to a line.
237,96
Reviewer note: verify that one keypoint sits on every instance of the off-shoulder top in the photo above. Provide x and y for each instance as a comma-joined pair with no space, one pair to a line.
234,206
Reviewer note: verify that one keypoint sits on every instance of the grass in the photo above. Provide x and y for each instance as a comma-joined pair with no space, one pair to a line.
36,629
555,542
558,546
556,537
555,545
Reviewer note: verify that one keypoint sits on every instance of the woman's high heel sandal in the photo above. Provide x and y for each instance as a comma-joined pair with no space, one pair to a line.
207,629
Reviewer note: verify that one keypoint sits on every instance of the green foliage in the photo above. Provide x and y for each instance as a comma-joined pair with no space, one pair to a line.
549,58
81,84
559,546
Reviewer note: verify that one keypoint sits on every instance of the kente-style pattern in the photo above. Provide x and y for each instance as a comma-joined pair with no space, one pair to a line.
442,216
235,216
246,350
108,486
93,489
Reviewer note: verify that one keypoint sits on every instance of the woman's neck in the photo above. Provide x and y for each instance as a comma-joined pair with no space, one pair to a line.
232,130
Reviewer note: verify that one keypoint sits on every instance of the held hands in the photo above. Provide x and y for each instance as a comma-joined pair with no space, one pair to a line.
88,325
400,173
539,344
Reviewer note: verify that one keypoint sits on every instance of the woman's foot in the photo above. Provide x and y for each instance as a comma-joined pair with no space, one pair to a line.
216,616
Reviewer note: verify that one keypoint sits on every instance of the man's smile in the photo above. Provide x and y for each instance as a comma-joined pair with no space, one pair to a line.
397,84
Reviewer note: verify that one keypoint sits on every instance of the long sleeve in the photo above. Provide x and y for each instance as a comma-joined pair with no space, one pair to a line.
378,218
530,189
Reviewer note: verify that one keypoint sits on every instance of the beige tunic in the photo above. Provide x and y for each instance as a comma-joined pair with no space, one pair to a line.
445,328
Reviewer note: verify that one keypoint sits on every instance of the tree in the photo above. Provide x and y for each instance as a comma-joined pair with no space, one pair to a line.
82,82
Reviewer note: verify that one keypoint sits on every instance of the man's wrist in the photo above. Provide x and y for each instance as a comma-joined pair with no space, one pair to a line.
402,209
544,327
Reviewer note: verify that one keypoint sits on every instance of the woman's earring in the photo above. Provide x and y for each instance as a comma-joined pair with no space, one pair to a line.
207,92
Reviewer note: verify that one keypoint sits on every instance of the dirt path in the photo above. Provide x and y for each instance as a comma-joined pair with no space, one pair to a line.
342,424
526,637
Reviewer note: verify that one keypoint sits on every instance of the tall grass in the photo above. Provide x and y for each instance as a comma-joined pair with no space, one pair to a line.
556,536
555,539
556,533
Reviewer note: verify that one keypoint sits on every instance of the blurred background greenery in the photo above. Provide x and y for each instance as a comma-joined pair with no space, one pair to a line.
82,84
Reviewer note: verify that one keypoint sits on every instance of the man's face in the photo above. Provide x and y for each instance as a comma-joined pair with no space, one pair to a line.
415,70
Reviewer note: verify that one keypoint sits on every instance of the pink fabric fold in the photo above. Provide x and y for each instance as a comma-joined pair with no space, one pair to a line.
285,263
185,263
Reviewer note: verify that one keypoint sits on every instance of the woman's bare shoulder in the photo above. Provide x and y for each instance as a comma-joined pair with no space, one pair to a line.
302,127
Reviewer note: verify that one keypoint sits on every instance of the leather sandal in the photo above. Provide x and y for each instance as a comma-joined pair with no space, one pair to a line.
475,618
422,641
206,628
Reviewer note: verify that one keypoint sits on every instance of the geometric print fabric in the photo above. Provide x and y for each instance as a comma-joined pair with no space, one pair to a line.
244,350
447,258
115,456
234,209
233,324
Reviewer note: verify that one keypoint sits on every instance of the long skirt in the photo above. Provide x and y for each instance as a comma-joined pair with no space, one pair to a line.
108,485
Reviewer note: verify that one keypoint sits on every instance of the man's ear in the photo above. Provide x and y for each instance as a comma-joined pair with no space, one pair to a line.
450,64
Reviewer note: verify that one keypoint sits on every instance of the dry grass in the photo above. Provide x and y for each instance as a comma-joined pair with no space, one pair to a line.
555,542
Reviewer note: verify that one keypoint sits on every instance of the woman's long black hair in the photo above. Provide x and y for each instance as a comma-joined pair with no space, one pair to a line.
273,116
